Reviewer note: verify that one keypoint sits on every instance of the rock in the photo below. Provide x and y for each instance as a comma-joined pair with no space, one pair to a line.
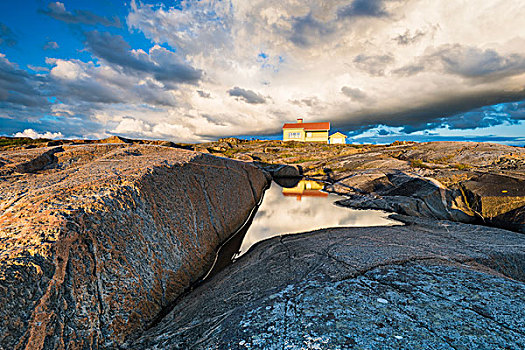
201,150
404,193
53,143
231,140
28,161
96,240
271,150
220,147
430,284
243,157
497,199
282,171
115,139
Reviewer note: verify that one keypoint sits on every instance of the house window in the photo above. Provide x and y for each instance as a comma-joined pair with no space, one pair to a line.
294,135
308,134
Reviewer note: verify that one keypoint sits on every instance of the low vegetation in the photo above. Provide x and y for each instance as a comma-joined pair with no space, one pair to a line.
418,163
20,141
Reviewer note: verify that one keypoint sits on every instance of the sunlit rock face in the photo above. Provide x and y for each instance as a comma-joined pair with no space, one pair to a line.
429,284
95,240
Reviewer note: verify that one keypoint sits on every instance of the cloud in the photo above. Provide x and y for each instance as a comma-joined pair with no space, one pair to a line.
363,8
19,89
163,64
452,110
204,94
51,45
407,38
307,30
409,70
88,85
353,93
7,37
310,102
37,68
58,11
247,96
473,62
35,135
468,62
373,64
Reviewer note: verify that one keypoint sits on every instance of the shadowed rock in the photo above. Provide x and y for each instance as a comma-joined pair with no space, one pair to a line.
97,239
430,284
497,199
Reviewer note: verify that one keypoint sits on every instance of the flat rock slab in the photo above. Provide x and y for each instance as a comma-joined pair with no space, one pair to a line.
426,285
96,240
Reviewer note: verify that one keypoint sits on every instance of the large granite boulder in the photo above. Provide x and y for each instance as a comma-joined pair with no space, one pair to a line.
96,240
426,285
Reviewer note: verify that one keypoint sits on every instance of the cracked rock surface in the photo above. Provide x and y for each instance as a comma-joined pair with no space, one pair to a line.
96,240
426,285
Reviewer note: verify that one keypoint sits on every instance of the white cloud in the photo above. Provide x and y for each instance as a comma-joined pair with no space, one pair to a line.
311,52
35,135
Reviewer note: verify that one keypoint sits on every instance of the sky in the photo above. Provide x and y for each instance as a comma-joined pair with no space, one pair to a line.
195,71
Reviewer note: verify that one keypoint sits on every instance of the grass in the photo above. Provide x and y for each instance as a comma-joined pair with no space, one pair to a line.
7,141
286,155
303,160
461,166
418,163
230,152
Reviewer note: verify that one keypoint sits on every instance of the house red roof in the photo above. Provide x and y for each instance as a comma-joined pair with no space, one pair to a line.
308,126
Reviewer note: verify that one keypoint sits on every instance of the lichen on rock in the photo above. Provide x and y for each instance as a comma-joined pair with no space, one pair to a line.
95,240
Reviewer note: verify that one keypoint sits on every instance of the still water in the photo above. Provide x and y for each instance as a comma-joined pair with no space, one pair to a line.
304,208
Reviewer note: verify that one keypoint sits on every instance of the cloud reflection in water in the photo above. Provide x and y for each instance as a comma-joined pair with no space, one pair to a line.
282,212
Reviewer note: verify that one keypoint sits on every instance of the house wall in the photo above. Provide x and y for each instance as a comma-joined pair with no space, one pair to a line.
337,140
286,134
308,136
316,136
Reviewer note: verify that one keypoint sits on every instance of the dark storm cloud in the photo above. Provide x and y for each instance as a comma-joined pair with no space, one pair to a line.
7,37
363,8
374,64
58,11
163,64
445,111
307,30
353,93
247,96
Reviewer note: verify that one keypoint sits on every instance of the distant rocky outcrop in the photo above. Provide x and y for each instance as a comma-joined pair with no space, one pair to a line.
427,285
439,180
96,240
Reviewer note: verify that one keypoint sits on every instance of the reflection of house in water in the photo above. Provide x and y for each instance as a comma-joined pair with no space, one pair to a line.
305,188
